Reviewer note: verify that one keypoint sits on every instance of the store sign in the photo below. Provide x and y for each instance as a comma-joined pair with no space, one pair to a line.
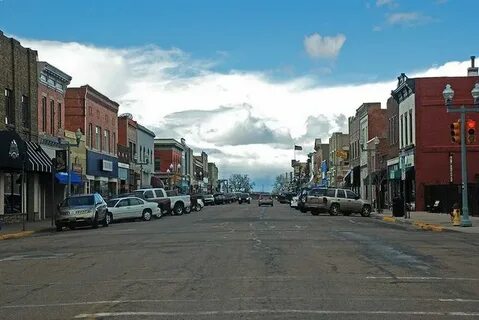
107,165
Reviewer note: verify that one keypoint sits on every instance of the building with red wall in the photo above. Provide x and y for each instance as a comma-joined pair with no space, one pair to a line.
169,153
96,115
430,162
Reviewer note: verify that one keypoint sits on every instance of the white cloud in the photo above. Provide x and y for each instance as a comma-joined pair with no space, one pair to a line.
408,18
179,97
389,3
318,46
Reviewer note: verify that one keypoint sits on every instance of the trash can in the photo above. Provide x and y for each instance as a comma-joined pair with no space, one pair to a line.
398,207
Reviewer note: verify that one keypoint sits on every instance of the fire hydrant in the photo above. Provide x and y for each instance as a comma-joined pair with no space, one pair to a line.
456,215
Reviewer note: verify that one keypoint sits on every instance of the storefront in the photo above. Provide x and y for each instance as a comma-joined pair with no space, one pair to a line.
408,176
102,174
25,176
394,180
123,173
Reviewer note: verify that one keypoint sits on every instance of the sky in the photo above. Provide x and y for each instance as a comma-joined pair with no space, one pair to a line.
246,80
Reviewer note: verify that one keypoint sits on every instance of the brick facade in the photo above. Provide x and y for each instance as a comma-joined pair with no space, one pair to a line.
94,114
18,74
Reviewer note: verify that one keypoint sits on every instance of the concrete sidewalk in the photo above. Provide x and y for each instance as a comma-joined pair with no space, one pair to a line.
14,231
429,221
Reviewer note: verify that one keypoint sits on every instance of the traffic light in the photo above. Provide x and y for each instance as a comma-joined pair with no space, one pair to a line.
456,132
471,131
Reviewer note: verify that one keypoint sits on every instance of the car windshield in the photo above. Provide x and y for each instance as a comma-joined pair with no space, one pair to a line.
111,203
78,201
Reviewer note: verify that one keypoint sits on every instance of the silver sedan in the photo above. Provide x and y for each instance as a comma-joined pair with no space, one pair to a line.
132,208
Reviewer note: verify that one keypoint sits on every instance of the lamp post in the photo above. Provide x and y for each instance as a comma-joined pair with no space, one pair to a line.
174,169
448,95
141,163
67,144
369,150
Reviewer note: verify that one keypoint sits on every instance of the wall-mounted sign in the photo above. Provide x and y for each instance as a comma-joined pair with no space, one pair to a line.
107,165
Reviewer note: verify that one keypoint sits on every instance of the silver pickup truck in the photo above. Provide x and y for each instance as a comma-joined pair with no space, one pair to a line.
176,205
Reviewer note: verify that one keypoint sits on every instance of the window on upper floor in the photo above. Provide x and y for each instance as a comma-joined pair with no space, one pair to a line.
52,117
44,114
410,127
98,138
26,112
9,107
59,115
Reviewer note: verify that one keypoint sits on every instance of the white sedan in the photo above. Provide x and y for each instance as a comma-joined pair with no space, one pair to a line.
132,208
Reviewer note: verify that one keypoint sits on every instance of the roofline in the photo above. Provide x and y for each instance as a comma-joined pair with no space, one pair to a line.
87,87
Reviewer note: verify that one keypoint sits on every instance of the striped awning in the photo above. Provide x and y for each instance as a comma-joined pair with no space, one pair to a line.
38,160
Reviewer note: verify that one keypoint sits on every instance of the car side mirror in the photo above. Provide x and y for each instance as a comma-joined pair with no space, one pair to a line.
356,198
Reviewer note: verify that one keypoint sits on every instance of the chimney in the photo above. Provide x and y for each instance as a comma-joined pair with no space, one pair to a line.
472,71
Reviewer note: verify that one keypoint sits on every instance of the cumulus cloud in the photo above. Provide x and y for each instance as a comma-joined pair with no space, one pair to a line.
318,46
247,122
408,19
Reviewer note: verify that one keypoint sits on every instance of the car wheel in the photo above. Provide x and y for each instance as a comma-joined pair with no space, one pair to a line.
109,216
187,210
105,223
59,227
366,212
198,208
146,215
334,210
178,209
94,223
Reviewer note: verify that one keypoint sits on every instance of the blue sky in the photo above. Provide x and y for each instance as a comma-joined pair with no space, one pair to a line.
263,35
246,80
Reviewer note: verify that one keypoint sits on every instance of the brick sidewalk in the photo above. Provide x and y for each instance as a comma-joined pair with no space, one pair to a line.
436,221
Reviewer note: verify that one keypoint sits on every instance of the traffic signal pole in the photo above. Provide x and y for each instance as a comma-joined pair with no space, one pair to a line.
466,221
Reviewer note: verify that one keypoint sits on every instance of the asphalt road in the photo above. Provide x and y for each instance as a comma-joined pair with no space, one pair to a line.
242,262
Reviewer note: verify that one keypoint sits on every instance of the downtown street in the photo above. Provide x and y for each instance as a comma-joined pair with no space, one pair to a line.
242,262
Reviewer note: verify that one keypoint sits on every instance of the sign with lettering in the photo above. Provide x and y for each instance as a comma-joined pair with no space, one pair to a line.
107,165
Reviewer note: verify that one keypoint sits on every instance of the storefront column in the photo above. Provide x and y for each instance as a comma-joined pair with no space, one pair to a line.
2,193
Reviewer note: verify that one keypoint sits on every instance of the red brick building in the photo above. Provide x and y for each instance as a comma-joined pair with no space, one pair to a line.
431,163
127,138
169,152
96,115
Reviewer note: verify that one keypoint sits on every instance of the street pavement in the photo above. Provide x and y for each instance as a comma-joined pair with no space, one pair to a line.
242,262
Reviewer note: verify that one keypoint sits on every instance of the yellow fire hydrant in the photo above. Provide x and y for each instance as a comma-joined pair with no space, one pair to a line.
456,215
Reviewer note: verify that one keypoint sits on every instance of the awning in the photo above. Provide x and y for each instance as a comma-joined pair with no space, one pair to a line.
38,160
62,178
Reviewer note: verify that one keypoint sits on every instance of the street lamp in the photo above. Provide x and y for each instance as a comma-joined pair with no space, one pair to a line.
448,95
141,163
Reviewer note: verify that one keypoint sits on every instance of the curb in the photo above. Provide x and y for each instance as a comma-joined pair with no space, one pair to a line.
418,224
22,234
16,235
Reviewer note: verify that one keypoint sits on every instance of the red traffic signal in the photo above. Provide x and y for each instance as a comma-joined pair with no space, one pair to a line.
471,131
456,132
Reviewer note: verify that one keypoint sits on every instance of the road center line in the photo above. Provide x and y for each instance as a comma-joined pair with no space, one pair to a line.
271,311
422,278
139,301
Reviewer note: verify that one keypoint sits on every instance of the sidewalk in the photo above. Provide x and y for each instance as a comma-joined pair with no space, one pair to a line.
14,231
429,221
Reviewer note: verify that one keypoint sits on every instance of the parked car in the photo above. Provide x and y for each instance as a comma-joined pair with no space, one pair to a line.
229,198
209,199
244,197
294,202
132,208
265,199
197,202
174,204
219,198
335,201
80,210
285,197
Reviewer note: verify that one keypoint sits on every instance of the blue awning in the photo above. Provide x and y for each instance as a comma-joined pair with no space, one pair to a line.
62,178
